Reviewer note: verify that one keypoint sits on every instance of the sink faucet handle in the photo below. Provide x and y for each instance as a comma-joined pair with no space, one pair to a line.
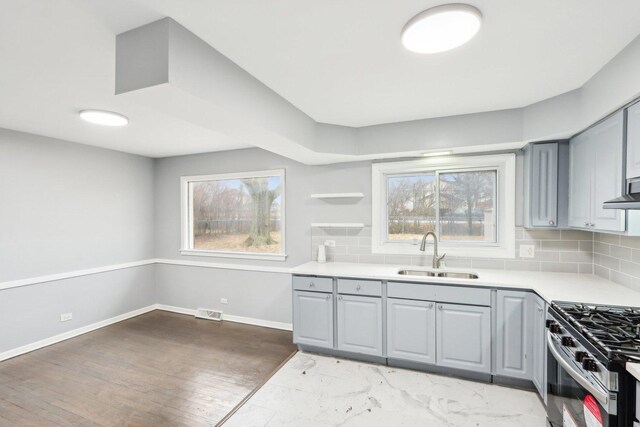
440,258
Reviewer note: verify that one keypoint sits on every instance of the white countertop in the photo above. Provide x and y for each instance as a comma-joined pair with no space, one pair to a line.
584,288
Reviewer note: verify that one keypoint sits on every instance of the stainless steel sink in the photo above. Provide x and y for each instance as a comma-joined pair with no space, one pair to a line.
417,273
447,274
456,275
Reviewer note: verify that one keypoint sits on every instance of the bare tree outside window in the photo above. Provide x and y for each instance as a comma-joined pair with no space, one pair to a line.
464,208
238,215
467,206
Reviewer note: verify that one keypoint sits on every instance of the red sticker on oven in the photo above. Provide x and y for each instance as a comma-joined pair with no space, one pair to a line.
592,415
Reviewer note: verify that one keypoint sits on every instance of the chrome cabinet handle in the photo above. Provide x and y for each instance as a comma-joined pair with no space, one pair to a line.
586,224
430,305
340,298
328,297
312,285
592,224
539,309
600,396
358,287
440,307
551,222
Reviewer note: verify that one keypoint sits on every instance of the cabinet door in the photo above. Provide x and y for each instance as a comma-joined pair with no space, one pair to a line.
539,347
633,141
605,141
313,319
580,170
360,324
463,336
544,185
513,340
411,330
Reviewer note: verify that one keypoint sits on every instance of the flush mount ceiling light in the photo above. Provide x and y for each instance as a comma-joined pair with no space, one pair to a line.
441,28
104,118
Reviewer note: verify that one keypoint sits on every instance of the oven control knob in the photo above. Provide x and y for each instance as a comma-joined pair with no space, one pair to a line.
580,355
549,322
555,328
589,364
568,342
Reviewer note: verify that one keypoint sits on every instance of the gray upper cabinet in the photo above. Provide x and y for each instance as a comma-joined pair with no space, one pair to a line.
596,175
539,347
360,324
463,336
411,330
541,185
633,141
313,319
513,340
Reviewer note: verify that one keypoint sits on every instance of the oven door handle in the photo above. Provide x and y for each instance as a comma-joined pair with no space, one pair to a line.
600,396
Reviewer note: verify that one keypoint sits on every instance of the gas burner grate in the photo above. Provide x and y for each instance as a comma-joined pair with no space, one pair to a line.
615,330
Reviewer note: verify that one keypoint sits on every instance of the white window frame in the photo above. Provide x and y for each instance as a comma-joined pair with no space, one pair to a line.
186,216
505,167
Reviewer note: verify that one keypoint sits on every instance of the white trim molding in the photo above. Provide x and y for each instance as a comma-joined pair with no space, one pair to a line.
237,255
225,266
503,164
114,267
71,274
231,318
73,333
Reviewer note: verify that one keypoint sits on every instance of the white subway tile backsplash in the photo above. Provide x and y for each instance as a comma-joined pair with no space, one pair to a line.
617,258
560,245
560,267
611,256
620,252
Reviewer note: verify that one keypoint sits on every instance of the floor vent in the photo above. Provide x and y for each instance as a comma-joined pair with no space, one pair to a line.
206,313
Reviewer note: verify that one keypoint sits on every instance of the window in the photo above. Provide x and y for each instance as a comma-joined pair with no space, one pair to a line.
467,201
237,215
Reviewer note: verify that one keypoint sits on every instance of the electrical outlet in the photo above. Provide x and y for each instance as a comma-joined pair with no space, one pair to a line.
527,251
330,243
66,317
224,301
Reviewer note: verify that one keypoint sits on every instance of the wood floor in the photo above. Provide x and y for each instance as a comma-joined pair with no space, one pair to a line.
157,369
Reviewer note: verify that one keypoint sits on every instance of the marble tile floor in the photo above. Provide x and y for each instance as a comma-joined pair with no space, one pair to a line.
312,390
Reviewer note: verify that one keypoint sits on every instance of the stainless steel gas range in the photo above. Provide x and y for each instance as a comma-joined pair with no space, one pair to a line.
588,346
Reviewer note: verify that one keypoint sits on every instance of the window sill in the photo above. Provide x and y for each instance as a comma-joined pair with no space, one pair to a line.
239,255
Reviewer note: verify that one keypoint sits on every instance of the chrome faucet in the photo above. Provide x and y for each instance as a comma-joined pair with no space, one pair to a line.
436,259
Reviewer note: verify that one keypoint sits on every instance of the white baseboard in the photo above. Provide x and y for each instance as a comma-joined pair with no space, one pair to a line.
231,318
74,333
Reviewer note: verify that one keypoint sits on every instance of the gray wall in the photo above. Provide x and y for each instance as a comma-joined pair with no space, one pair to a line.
67,207
32,313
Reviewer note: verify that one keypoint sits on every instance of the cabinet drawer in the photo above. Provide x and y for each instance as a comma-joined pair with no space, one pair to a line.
360,287
452,294
317,284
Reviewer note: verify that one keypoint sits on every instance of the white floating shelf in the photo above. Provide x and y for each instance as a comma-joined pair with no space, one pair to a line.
337,195
337,224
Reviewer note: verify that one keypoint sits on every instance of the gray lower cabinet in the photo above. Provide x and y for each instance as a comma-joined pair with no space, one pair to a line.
539,329
463,337
313,319
513,339
411,330
360,324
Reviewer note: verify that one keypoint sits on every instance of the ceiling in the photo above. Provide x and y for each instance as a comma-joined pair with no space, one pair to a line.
340,62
